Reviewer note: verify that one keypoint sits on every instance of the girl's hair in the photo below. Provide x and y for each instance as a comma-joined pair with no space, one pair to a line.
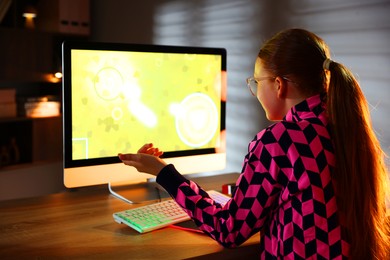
360,174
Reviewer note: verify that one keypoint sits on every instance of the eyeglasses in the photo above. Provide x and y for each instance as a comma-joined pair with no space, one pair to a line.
253,82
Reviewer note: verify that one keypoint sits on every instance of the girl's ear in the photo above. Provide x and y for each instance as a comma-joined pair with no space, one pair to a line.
281,85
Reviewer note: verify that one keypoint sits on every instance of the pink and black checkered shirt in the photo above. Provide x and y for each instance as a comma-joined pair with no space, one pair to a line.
285,192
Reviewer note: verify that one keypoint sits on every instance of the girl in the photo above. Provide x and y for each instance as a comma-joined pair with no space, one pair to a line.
314,182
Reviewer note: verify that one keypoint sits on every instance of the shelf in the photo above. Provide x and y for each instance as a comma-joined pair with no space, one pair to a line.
21,118
30,140
67,17
29,57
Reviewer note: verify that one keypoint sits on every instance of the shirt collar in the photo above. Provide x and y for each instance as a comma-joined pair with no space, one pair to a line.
311,107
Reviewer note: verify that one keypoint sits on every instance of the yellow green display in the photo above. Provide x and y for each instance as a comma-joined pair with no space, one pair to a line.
122,100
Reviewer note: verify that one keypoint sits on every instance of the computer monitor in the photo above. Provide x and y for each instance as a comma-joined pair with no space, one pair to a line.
117,97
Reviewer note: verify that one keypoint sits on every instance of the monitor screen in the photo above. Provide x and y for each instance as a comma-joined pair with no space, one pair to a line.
117,97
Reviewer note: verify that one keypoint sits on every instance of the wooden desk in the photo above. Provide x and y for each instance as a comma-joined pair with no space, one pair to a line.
79,225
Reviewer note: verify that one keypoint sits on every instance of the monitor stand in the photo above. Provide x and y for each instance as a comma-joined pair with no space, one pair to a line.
140,192
118,196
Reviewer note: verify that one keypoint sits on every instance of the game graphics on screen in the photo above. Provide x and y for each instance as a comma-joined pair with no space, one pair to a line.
133,92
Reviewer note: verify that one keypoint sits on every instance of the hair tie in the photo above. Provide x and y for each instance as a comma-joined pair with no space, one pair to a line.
326,63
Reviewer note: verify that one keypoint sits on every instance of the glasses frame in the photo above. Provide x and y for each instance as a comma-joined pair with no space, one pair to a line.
253,83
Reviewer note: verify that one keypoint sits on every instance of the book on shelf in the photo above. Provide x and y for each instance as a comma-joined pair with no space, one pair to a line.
7,95
39,106
8,109
42,109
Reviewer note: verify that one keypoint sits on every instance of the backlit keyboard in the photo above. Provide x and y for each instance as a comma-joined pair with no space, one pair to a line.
158,215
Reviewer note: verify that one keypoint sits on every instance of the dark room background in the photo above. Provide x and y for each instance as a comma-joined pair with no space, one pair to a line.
358,32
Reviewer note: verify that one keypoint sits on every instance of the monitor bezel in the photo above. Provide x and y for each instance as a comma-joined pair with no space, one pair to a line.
67,48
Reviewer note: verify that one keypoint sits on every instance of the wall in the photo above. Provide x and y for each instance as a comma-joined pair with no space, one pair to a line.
358,32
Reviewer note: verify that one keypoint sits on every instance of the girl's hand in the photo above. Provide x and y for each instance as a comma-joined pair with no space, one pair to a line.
145,160
149,149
